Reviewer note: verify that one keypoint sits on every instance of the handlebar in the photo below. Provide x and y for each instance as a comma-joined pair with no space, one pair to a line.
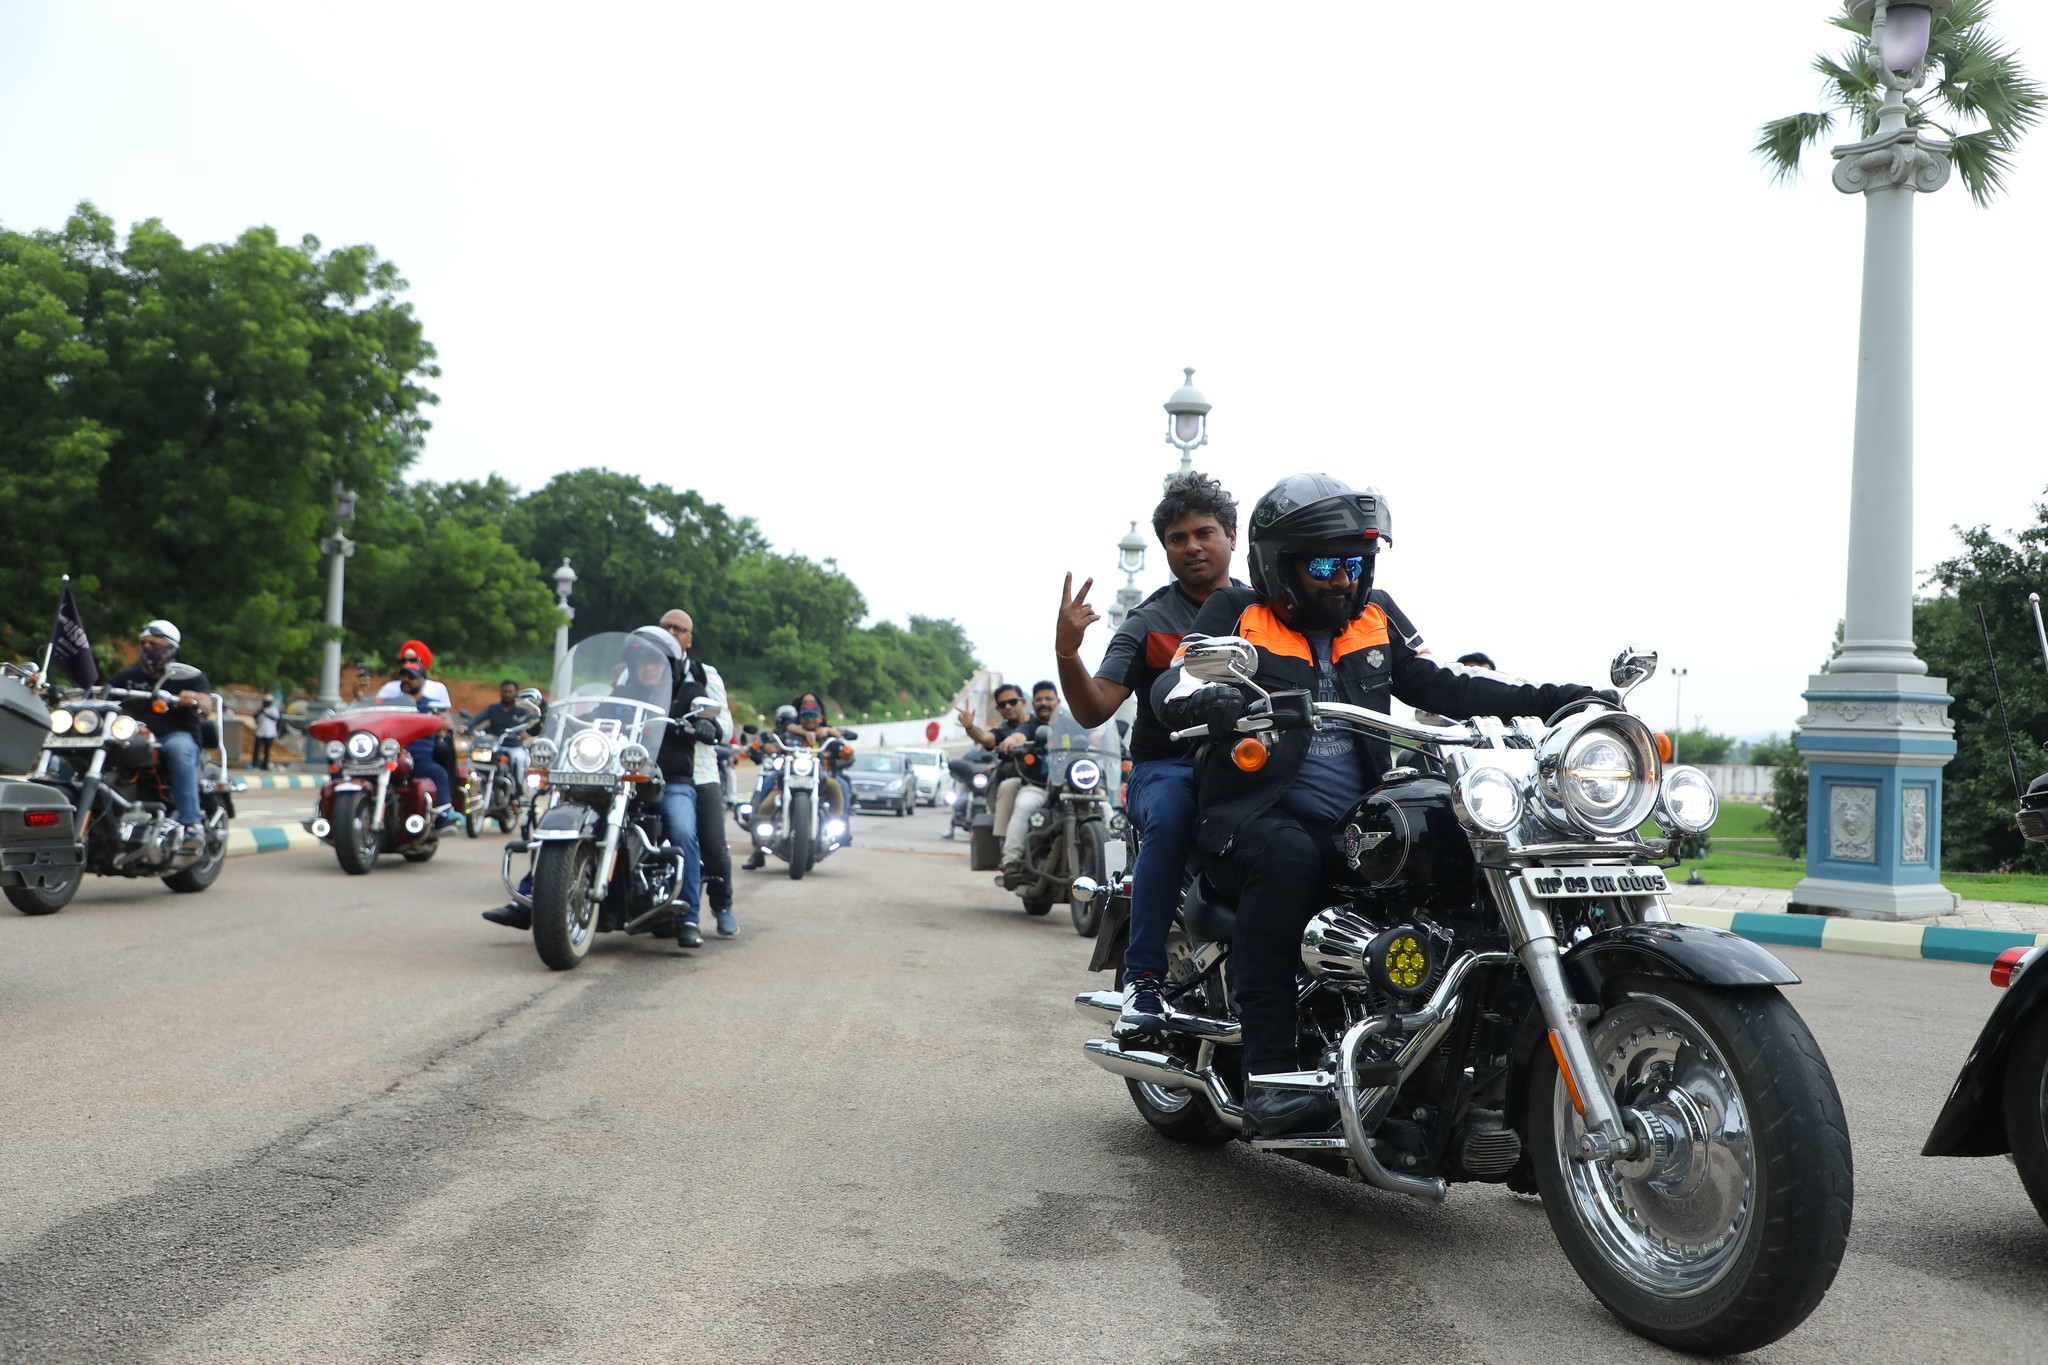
1343,713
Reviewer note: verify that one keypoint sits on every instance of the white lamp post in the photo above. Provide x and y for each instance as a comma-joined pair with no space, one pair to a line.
1876,733
1187,420
1130,557
337,547
565,579
1678,710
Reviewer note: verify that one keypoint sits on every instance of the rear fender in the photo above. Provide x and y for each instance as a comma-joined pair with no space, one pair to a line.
1972,1123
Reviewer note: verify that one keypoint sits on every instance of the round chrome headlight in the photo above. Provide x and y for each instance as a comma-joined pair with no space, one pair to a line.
1083,773
122,727
362,746
85,722
803,765
542,753
1686,802
634,758
1597,773
335,749
389,748
589,752
981,782
1488,799
60,722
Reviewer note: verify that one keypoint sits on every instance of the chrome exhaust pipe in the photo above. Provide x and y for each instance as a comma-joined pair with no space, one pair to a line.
1158,1069
1222,1032
1090,1003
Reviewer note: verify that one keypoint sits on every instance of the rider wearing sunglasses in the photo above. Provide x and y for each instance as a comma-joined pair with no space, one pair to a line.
1268,838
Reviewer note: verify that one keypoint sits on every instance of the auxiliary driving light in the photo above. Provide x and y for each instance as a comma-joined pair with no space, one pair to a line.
1686,802
1402,961
321,829
835,829
389,748
415,823
764,831
1488,799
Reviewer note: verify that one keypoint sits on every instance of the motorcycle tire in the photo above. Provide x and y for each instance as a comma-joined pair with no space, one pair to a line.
33,900
800,833
2026,1107
565,904
1770,1184
473,815
419,853
358,832
1182,1115
202,874
1088,859
504,819
1038,907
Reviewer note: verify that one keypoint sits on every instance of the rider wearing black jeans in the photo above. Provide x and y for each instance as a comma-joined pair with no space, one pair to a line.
1319,626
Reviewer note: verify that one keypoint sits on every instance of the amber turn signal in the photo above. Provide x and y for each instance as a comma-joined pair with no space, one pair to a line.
1663,746
1249,755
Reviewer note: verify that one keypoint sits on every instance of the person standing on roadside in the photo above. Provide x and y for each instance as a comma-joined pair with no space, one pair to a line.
1196,522
266,734
715,865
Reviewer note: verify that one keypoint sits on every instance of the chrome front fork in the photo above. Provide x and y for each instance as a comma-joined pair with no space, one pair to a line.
1607,1133
609,854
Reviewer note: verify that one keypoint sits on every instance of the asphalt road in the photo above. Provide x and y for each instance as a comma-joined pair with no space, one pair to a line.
311,1117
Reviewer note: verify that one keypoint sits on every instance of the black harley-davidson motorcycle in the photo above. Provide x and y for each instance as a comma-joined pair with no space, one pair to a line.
1496,992
1066,844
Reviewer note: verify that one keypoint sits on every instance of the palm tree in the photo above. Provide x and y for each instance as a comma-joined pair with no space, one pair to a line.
1974,79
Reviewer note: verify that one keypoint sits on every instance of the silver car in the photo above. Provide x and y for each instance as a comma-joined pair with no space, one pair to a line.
928,766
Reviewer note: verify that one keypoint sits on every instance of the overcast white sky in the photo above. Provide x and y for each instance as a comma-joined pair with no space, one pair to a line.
908,283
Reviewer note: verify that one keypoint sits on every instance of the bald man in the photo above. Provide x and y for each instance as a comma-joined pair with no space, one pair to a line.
715,869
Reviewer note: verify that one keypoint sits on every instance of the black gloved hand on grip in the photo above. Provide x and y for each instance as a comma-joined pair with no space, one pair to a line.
1214,705
705,729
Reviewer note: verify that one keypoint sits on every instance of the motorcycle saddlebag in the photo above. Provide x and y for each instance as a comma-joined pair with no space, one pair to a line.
30,855
984,849
24,725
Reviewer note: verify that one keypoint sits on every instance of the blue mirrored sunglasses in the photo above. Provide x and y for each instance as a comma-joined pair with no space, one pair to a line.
1323,568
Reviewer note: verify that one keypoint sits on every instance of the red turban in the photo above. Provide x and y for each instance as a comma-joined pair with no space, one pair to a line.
416,647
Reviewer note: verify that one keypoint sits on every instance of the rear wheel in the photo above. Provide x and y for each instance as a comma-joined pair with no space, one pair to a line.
1038,907
358,830
419,853
565,902
1727,1235
1182,1115
47,900
203,873
1086,858
2026,1107
800,832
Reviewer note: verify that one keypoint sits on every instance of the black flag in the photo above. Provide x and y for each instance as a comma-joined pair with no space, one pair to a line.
70,651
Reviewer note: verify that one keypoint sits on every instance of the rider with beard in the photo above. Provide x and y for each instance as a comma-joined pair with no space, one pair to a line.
810,710
412,687
1267,838
1021,794
177,729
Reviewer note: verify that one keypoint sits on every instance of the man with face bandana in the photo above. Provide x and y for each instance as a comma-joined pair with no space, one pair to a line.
176,729
1268,838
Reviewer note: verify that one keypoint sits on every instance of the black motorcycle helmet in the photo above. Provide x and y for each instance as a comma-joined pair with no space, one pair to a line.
1307,514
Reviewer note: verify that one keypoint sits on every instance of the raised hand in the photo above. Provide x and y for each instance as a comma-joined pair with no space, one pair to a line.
1075,616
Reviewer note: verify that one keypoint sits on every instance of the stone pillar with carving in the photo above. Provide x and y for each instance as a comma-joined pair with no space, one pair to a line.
1876,733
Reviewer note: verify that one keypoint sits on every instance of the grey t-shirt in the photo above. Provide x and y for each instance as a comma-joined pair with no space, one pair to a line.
1331,780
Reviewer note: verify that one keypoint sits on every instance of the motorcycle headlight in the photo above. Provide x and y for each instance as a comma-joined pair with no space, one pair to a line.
85,722
803,765
1686,802
542,753
589,752
389,748
1083,774
634,758
60,722
335,749
1488,799
362,746
981,782
1598,773
122,727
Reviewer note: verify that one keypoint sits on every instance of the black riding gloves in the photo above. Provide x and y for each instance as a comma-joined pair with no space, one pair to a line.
1215,705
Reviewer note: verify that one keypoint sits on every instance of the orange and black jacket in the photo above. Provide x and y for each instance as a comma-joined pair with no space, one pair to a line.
1379,656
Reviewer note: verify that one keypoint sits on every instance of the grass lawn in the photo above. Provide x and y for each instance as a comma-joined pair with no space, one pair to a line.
1745,854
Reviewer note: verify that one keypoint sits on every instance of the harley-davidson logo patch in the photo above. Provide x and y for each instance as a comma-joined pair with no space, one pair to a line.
1376,657
1356,843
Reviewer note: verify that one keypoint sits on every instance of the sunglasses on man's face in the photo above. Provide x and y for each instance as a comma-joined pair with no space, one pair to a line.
1010,701
1323,568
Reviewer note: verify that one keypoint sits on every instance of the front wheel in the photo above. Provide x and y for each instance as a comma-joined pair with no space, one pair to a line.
565,901
1726,1234
2026,1107
41,900
800,832
1086,858
474,808
358,830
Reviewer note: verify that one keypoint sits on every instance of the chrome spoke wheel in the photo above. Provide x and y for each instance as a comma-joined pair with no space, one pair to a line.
1673,1218
583,903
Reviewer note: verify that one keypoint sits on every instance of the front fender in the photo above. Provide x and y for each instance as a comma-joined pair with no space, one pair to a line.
1684,952
568,820
1972,1123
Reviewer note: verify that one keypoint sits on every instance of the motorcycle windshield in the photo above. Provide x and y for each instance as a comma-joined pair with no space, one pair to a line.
619,689
1066,740
404,723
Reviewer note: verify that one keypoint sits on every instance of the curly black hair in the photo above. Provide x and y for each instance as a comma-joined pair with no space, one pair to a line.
1193,492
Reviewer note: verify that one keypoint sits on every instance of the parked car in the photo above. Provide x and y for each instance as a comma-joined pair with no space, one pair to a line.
882,782
928,766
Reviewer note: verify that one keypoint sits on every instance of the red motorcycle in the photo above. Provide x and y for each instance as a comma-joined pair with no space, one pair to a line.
373,802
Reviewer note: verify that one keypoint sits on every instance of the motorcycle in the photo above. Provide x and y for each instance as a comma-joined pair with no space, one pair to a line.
1066,845
600,862
107,767
37,850
497,787
1496,992
373,802
808,818
1998,1105
968,804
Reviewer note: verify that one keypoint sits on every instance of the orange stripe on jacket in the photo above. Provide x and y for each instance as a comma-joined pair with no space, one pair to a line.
1369,629
1262,626
1160,649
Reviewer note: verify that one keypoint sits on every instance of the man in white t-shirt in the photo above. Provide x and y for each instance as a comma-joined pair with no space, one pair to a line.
413,686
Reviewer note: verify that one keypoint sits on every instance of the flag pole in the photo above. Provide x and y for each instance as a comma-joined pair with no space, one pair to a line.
50,646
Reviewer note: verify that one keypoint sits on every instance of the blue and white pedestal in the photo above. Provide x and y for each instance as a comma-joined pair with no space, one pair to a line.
1875,745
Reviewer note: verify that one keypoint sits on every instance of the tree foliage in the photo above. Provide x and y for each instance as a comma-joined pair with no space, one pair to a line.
1698,746
1974,80
1786,817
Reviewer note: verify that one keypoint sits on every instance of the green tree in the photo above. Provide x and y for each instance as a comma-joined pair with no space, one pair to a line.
1786,815
1974,79
1702,746
172,422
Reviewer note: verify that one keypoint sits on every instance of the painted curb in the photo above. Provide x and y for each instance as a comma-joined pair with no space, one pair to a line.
1932,942
258,782
244,840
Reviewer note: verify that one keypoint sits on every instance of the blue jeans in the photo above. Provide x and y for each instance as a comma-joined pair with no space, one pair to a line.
424,765
180,753
1161,800
679,824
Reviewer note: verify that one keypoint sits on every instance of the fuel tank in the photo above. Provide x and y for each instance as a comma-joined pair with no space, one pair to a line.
1403,843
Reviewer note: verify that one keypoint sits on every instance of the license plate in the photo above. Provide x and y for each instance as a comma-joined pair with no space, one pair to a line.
73,742
562,779
1579,883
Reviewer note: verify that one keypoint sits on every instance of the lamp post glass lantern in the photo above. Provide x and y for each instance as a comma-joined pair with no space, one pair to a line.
1876,732
1187,420
1130,558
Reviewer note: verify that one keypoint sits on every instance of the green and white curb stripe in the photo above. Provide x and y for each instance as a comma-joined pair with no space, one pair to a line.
257,782
247,839
1935,942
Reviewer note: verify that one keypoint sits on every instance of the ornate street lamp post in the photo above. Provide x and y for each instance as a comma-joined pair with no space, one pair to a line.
565,579
1187,420
337,547
1876,733
1130,557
